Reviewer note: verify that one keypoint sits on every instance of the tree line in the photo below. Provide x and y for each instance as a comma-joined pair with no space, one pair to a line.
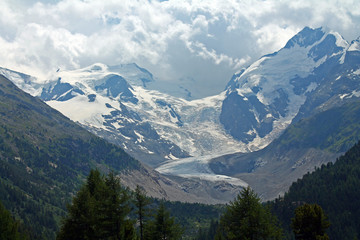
103,209
247,218
335,187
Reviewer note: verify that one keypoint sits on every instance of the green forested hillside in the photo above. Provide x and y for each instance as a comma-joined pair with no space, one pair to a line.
335,130
44,157
193,216
10,228
336,188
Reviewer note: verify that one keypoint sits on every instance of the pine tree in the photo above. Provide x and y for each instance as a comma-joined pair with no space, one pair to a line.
247,218
208,233
212,229
79,220
99,211
8,226
310,222
163,227
141,202
113,207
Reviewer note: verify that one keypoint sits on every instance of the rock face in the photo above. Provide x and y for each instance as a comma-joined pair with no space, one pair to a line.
120,104
308,84
317,70
269,171
114,86
105,103
304,145
262,99
180,189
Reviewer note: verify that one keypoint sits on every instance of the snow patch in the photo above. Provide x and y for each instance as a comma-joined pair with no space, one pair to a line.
79,109
340,41
355,94
140,138
171,157
357,72
144,149
342,58
355,46
350,95
117,125
311,87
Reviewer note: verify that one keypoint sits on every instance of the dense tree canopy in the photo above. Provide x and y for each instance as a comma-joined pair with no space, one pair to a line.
334,187
247,218
102,209
310,223
163,226
99,211
8,226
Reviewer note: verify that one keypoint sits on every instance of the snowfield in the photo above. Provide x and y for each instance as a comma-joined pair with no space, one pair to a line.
126,105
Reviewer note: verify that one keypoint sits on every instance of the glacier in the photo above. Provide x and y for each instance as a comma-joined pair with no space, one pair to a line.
178,136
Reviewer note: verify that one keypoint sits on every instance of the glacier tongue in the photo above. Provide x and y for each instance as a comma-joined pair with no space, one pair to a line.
197,167
156,128
126,105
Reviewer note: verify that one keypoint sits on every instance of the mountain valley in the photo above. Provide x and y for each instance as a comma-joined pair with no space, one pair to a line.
232,139
45,157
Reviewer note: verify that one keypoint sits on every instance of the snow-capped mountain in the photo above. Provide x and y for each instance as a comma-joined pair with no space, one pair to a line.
125,104
116,103
315,85
263,99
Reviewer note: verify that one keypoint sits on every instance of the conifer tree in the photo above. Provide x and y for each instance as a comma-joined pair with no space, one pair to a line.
247,218
212,229
208,233
98,211
310,222
163,227
113,207
141,202
8,226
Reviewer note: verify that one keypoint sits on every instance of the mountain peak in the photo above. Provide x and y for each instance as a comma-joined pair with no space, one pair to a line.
306,37
275,86
355,45
309,36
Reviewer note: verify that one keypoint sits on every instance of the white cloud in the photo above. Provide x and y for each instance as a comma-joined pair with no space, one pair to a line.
271,36
205,41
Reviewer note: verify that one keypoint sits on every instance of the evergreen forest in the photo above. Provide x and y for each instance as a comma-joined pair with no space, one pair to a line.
336,188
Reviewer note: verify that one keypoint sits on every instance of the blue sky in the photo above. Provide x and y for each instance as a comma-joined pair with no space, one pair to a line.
199,44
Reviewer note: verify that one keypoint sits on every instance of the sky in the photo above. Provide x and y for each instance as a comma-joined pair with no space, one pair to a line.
194,43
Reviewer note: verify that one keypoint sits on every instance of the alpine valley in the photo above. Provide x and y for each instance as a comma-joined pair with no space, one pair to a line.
276,120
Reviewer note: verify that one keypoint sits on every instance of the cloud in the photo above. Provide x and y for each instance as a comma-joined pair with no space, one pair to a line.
198,43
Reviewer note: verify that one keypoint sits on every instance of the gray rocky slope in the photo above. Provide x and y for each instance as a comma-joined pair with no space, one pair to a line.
315,71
